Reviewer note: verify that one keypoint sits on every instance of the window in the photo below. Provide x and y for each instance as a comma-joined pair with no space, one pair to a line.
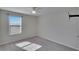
15,24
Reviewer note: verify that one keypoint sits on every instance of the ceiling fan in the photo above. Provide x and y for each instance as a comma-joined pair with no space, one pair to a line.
36,10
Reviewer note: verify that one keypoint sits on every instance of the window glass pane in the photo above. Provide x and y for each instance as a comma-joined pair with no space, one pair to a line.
15,24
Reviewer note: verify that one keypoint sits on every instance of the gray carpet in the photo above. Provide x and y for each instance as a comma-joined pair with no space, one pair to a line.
46,45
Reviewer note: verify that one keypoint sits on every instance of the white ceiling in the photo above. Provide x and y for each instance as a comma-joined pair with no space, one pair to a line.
43,10
24,10
28,10
52,10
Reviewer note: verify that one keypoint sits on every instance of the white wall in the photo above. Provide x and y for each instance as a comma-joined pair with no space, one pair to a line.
29,27
0,28
56,26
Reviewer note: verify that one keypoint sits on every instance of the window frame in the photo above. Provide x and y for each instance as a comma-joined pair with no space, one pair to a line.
9,24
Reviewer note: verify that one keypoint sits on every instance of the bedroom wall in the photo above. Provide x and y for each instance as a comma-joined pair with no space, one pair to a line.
55,25
0,28
29,27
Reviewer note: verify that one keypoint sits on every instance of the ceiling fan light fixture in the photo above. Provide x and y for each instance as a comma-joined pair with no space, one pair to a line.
34,12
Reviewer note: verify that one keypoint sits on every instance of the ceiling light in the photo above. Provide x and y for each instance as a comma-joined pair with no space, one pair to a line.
34,12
